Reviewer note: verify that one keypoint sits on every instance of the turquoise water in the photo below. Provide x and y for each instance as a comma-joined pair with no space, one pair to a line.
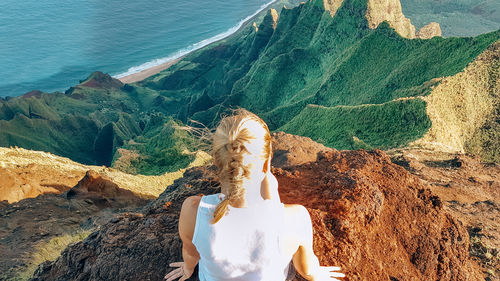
50,45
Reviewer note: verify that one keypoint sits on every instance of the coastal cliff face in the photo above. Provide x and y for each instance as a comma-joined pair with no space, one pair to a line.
429,31
390,11
362,207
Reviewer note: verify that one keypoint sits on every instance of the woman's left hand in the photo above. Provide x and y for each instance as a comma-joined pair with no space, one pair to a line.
181,272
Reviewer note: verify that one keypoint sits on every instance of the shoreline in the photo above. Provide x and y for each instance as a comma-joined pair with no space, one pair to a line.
150,71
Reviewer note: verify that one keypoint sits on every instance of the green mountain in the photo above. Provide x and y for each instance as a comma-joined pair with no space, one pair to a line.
336,71
91,121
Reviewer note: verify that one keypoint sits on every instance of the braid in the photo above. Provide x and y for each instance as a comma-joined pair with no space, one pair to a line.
230,149
234,172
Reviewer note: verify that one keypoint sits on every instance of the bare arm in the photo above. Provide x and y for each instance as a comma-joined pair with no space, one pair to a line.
301,245
187,223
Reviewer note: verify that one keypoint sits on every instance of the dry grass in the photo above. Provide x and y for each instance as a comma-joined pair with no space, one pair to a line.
49,251
43,167
460,104
152,185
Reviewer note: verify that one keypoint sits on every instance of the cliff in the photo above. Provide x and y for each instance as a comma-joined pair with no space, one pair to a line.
429,31
390,11
362,207
47,202
27,174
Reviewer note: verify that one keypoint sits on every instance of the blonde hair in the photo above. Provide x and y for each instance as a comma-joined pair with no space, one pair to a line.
238,136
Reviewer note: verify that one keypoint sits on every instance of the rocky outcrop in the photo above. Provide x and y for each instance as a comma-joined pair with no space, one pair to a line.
433,29
290,150
27,174
379,11
104,192
332,5
29,224
275,16
132,246
102,81
390,11
363,207
469,191
46,198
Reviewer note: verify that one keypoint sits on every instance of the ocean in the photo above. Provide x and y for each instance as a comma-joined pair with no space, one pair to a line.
51,45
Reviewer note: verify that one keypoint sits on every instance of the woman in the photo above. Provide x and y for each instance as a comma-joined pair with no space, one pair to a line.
245,233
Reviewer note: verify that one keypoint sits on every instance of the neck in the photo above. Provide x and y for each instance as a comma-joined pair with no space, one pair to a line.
252,193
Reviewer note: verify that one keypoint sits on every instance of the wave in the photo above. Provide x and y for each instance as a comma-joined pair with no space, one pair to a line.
184,51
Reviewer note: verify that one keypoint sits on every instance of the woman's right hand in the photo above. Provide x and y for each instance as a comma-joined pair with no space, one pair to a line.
328,273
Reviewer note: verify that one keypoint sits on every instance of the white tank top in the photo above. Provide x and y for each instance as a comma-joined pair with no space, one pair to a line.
242,246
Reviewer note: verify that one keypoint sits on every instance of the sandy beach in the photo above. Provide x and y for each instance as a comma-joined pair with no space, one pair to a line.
156,69
139,76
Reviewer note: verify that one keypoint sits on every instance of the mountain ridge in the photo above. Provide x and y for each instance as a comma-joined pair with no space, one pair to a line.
301,56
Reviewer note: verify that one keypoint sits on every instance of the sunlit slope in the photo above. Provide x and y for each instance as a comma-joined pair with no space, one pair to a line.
465,109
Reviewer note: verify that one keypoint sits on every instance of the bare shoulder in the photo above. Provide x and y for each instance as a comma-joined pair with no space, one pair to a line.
187,219
298,227
297,213
296,210
190,205
192,201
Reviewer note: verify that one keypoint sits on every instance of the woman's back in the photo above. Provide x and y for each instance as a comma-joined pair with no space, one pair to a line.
257,240
244,245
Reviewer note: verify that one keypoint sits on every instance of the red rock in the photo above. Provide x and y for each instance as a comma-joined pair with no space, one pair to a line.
370,216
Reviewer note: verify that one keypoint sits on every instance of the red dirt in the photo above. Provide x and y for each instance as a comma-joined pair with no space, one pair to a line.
370,216
376,220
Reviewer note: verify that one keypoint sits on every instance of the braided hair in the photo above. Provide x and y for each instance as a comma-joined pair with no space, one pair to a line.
241,135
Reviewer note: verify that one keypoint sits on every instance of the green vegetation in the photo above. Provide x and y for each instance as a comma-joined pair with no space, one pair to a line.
163,147
388,125
358,79
312,58
92,120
